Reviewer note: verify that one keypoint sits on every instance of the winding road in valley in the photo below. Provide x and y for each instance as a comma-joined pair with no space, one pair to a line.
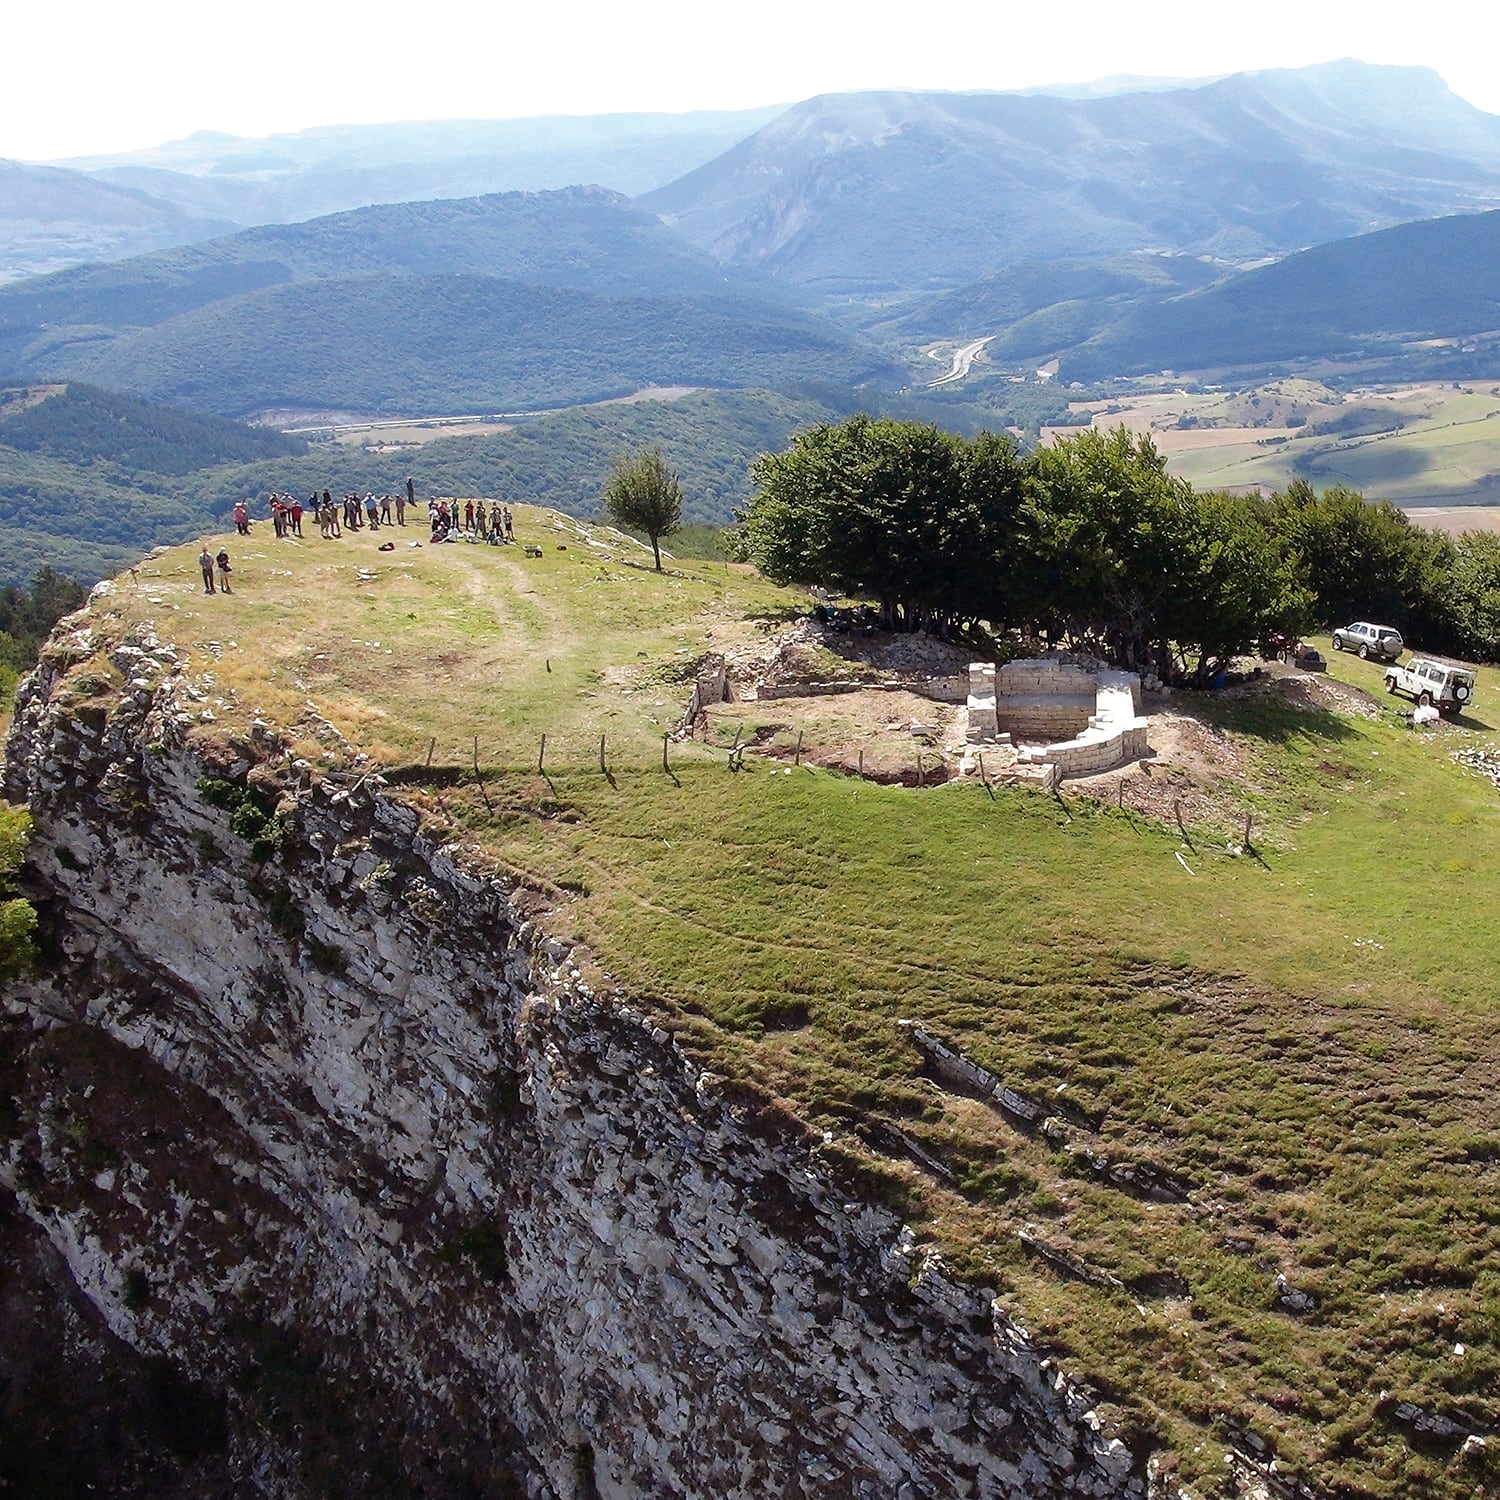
962,359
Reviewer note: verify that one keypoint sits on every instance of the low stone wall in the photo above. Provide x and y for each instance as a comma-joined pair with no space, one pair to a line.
1042,698
939,689
1091,718
710,687
944,689
770,691
1116,732
1095,750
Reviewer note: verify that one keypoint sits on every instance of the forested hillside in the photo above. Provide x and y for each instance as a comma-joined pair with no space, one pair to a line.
1359,297
560,460
90,517
90,481
82,424
492,304
411,345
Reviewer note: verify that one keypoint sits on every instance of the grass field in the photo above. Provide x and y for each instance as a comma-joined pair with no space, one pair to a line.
1418,446
1276,1064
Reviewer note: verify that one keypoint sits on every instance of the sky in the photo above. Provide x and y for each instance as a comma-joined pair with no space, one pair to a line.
98,76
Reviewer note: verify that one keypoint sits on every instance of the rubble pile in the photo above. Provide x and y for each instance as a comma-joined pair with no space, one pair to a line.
1482,760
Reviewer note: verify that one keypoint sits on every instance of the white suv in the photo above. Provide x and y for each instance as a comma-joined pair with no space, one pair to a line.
1369,640
1448,689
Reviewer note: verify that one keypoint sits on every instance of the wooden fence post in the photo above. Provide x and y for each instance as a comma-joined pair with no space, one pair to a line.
480,779
1181,826
541,756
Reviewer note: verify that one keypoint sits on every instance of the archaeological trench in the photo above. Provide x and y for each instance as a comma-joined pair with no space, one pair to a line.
309,1189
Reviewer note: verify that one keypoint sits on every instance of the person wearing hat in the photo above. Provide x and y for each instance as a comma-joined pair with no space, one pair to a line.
206,563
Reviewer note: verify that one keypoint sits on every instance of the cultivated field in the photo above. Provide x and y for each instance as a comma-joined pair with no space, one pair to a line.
1265,1209
1421,446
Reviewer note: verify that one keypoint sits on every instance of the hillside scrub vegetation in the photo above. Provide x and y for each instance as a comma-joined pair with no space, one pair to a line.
92,507
1090,541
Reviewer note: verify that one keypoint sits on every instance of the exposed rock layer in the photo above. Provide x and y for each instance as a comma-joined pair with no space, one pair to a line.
325,1126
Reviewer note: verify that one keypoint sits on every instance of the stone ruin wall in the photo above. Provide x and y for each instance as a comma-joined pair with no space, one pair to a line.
1087,718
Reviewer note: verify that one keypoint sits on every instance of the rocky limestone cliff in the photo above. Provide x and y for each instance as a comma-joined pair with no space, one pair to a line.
353,1186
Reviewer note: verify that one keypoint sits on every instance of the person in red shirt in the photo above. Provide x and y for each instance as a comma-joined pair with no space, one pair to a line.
296,518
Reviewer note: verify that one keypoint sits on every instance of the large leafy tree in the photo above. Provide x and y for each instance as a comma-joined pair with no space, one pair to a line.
1473,600
1364,560
1231,584
1107,527
900,511
1089,541
642,494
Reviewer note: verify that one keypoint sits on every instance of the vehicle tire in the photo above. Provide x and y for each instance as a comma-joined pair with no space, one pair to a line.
1338,641
1461,693
1364,653
1424,699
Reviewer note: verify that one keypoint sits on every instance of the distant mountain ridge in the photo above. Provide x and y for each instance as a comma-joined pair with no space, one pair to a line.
512,301
310,173
583,238
98,208
868,193
51,218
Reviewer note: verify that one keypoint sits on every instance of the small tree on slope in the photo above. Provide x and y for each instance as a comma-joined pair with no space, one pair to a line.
643,494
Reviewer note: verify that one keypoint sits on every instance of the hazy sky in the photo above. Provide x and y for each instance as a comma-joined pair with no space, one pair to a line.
96,75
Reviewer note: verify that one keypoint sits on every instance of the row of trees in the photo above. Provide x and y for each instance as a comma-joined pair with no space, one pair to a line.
1092,542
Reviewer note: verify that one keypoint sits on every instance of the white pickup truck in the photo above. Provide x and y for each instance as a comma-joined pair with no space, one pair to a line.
1447,688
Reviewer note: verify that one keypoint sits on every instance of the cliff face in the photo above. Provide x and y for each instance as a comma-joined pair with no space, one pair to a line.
364,1190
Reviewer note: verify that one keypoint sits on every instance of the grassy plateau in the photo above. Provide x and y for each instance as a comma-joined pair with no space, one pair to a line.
1264,1214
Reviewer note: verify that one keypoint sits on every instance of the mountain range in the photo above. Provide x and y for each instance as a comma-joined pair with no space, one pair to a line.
516,300
880,193
831,247
51,218
109,207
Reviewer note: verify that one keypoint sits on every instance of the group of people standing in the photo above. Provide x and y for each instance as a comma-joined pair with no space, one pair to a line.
449,523
286,512
208,563
449,526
